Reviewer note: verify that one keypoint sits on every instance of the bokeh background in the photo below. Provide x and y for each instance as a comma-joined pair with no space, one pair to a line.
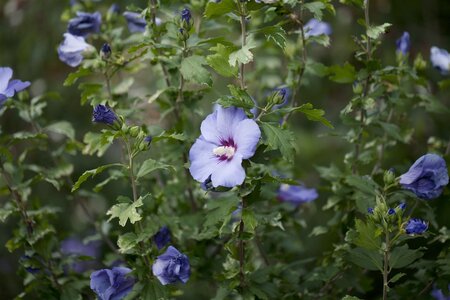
30,31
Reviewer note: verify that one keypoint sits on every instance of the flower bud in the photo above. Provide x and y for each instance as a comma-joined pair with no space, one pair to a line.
105,51
134,131
389,177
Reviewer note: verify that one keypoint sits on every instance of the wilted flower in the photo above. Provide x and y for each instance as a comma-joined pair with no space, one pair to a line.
103,114
172,267
391,211
227,138
75,247
85,23
315,27
112,284
440,59
416,226
438,294
370,210
71,50
403,43
135,22
9,87
162,237
296,194
427,177
105,51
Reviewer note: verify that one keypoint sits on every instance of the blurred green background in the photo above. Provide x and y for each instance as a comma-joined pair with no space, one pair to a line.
30,31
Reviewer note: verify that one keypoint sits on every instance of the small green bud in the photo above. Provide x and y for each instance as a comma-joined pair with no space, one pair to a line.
134,131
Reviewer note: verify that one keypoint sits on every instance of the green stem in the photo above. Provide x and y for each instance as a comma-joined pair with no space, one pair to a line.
298,82
138,225
386,266
243,13
362,111
241,249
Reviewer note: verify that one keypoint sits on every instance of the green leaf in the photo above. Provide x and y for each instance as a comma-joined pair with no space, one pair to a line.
73,77
92,173
219,9
364,184
125,212
243,55
5,213
342,74
274,33
348,297
153,289
151,165
123,87
192,69
374,32
89,90
403,256
318,230
315,8
368,235
62,127
127,242
281,139
396,277
250,222
219,61
310,112
169,136
368,259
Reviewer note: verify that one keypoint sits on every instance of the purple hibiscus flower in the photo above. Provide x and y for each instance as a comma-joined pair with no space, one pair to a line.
75,247
438,294
85,23
162,237
440,59
112,284
427,177
227,138
315,27
9,87
103,114
416,226
135,22
171,267
296,194
71,50
403,43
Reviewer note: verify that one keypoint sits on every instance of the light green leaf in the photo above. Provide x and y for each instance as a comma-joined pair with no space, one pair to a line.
363,183
374,32
62,127
250,222
219,9
275,34
92,173
342,74
73,77
369,237
219,61
281,139
127,242
123,87
315,8
125,212
151,165
192,69
243,55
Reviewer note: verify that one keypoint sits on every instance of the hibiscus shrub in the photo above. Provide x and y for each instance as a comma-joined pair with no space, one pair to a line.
197,177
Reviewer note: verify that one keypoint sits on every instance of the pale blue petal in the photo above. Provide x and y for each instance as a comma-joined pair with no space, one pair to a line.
15,86
246,137
5,76
227,121
209,130
203,161
229,172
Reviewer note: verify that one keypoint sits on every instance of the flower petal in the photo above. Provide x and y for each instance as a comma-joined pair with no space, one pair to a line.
100,281
203,161
209,130
228,119
229,173
246,137
15,86
5,76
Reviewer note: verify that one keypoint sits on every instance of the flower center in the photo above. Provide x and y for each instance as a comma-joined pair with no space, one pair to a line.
224,152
